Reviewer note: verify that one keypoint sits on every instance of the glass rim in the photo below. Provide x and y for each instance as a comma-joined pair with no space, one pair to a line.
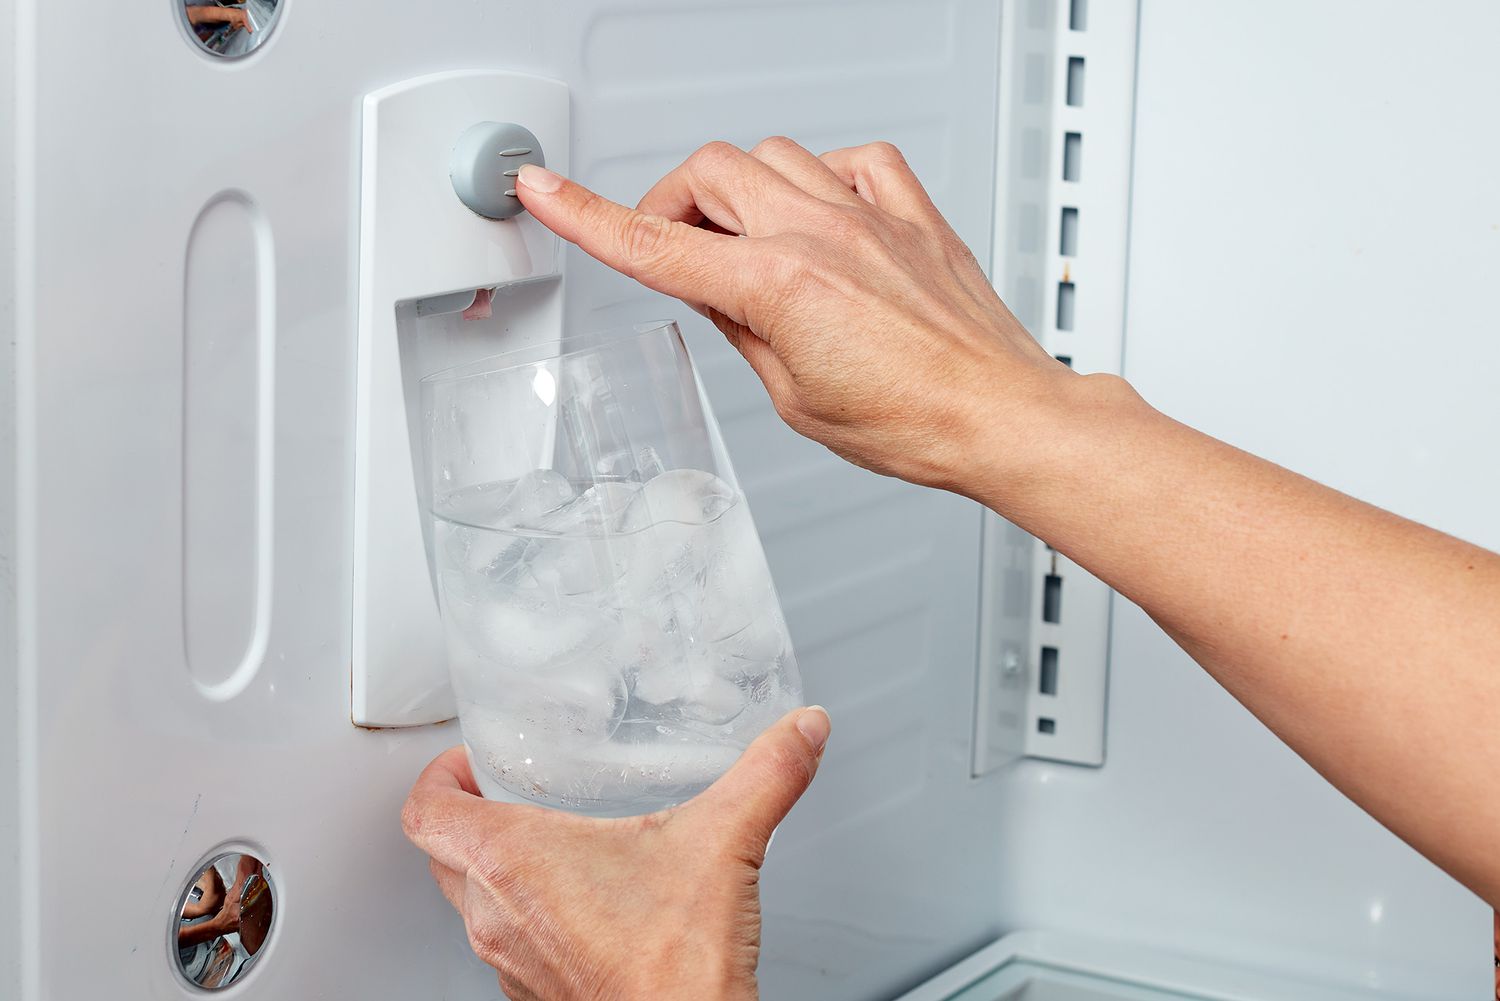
550,350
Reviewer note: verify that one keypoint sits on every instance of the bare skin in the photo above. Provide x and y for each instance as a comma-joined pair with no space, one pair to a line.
565,906
233,16
1363,640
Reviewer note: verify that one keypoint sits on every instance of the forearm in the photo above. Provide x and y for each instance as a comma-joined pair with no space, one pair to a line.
215,15
203,931
1369,643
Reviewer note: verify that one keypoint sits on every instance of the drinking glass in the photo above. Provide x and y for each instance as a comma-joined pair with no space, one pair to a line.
614,637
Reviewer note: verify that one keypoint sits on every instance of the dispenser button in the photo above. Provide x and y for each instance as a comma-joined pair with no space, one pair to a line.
485,162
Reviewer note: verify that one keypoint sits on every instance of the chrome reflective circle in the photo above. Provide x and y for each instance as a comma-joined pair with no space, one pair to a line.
230,30
223,919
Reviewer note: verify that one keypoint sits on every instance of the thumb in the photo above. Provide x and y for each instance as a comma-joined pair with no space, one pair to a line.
750,799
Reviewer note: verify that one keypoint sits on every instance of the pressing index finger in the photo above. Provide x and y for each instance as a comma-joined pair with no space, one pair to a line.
668,256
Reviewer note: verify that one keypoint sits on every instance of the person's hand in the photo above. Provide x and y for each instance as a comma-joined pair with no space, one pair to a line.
663,906
871,324
235,17
211,896
223,915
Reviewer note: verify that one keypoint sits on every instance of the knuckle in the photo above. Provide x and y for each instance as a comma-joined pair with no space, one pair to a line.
644,238
779,269
854,228
411,819
512,987
775,144
790,766
593,208
485,938
713,155
885,153
790,412
499,877
782,278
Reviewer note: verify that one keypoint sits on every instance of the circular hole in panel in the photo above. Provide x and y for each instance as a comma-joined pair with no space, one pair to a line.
230,30
222,920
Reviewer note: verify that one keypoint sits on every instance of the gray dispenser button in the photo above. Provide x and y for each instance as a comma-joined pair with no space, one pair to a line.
485,162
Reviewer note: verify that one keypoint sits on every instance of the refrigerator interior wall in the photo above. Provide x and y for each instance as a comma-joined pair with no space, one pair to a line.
138,764
879,579
1315,235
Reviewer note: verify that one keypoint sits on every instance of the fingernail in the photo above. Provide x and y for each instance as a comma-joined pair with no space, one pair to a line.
814,725
539,179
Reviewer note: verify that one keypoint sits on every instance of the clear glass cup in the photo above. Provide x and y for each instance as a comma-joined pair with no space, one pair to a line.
614,637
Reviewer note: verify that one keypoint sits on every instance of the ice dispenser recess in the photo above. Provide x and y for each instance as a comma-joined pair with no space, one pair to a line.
424,256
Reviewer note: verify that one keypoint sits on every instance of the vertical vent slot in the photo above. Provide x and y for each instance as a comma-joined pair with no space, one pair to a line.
1052,599
1067,240
1047,682
1078,15
1075,82
1065,297
1072,155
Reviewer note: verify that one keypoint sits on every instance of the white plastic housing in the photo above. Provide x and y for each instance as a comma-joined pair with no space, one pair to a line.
417,241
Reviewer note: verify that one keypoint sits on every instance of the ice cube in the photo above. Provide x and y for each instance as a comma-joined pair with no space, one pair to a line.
663,674
754,649
713,699
589,554
635,640
731,595
598,510
473,503
660,681
465,551
525,633
687,680
522,506
680,496
568,567
668,522
580,701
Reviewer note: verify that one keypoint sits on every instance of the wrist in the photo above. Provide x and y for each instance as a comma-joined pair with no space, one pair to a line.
710,979
1039,447
702,971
